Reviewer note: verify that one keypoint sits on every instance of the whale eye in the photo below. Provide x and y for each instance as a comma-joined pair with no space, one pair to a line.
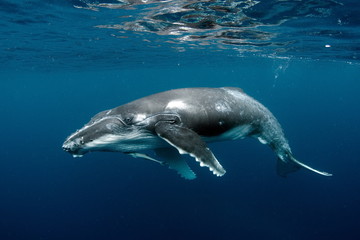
128,120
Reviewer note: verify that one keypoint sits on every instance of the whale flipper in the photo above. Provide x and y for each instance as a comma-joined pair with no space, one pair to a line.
144,156
310,168
187,141
176,162
286,163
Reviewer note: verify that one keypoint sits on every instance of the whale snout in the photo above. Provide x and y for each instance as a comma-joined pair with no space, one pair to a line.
73,147
92,135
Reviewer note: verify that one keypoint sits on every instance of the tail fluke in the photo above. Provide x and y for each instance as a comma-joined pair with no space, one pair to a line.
310,168
284,168
286,163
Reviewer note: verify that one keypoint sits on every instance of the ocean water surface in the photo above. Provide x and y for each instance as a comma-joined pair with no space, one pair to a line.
64,61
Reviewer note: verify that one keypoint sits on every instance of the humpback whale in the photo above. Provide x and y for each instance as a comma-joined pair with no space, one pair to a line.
183,121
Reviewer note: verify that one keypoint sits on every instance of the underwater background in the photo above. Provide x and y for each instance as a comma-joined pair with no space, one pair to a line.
64,61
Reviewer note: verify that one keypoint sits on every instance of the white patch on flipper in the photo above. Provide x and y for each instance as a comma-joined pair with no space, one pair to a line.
182,151
214,171
176,104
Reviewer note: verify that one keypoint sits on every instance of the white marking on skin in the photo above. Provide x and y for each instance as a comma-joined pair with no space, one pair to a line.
237,94
129,142
139,117
176,104
87,126
222,107
263,141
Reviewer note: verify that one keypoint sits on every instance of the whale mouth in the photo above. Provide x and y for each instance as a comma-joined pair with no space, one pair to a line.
73,147
70,146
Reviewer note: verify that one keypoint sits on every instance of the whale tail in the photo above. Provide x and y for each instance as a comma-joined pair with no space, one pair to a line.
284,168
289,164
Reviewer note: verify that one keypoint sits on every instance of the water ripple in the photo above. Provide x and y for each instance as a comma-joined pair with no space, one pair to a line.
111,33
240,23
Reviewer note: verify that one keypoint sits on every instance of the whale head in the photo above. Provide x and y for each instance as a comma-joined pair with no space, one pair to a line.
100,134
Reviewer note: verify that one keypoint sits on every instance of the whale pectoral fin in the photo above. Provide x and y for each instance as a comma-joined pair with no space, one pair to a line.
309,168
290,164
187,141
284,168
144,156
176,162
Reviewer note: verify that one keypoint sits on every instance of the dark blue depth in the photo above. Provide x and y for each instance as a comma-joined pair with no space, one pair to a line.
46,194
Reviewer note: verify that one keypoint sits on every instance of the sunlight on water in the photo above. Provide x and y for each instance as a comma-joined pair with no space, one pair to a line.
79,33
247,26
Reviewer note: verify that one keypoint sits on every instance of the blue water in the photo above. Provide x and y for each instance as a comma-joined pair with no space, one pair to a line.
64,61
